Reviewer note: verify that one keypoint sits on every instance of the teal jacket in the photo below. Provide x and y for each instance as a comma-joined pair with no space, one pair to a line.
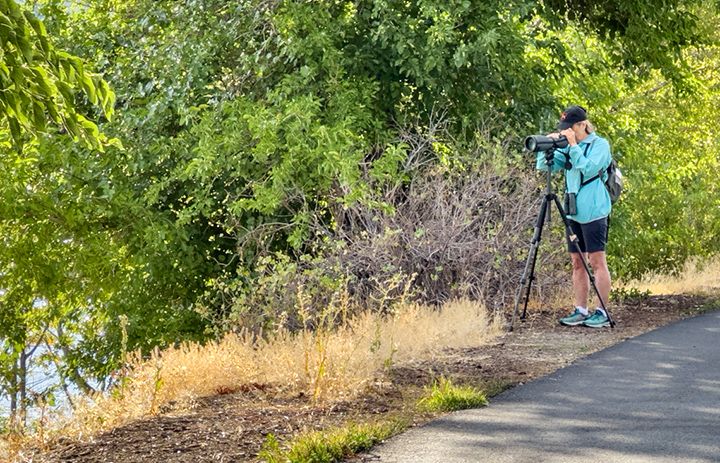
593,200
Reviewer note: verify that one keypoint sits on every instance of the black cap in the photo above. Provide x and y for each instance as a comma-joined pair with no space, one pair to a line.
570,116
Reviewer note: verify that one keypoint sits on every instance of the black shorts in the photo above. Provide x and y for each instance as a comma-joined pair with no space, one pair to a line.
592,236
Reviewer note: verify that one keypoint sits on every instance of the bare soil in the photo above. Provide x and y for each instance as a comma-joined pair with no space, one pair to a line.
232,427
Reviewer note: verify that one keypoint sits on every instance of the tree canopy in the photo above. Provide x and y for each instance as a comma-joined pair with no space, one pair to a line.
40,82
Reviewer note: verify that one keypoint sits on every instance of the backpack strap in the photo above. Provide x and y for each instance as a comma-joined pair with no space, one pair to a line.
591,179
582,177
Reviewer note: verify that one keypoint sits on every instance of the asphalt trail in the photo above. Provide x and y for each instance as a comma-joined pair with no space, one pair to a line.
654,398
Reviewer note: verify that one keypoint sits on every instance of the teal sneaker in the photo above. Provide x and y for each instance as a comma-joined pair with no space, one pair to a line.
597,320
574,319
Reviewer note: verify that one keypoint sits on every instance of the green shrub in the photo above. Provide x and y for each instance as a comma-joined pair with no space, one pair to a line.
444,396
330,445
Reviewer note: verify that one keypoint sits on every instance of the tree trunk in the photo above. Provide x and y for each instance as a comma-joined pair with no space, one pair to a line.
12,390
23,388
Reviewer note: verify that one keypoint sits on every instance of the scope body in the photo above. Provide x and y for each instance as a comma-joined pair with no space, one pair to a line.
537,143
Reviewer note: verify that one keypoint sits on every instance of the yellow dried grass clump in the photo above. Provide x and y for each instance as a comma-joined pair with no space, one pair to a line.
326,364
696,277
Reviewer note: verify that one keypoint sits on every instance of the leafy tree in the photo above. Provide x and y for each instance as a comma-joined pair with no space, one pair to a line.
40,82
40,85
641,35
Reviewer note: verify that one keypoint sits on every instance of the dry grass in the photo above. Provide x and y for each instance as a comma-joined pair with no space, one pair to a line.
325,364
696,277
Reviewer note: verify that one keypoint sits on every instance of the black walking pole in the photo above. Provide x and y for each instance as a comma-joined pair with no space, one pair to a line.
528,275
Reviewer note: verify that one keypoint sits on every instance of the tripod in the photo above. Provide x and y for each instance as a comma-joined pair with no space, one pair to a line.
528,275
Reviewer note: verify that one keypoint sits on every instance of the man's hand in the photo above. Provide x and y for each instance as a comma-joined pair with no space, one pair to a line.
570,135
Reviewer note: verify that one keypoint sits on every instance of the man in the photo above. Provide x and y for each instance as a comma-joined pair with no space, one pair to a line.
585,161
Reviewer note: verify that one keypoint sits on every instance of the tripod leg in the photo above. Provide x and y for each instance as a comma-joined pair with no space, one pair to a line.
574,241
529,272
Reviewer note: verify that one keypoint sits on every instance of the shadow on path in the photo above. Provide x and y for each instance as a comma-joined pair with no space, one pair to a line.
655,398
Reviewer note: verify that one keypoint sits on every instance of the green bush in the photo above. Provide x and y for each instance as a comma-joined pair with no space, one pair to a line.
330,445
444,396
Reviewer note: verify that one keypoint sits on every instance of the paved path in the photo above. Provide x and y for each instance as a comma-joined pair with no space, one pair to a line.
654,398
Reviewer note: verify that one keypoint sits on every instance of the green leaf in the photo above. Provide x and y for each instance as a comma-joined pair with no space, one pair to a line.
89,88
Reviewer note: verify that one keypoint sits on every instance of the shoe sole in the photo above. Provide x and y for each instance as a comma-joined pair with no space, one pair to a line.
581,322
603,325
